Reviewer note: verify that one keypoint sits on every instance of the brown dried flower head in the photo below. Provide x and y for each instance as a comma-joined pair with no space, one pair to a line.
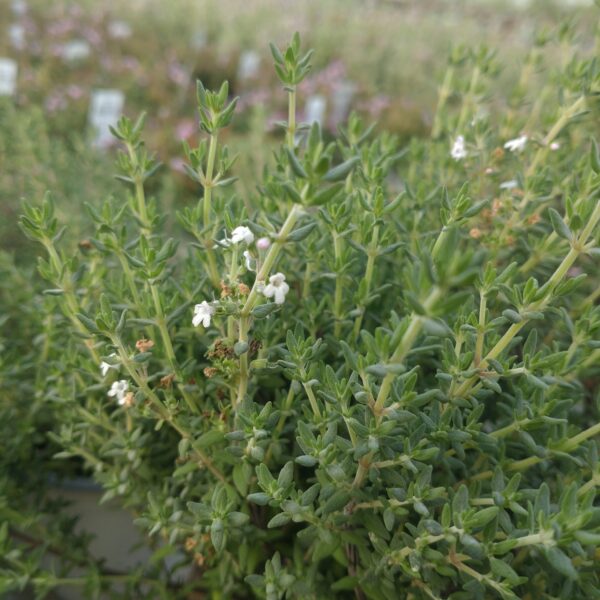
144,345
167,380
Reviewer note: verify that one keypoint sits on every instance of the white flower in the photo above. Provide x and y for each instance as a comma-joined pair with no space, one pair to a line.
263,243
119,389
105,367
242,234
517,144
554,146
458,151
203,313
277,288
509,185
250,261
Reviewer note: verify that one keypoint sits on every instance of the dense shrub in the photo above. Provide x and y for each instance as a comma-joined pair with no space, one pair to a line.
375,377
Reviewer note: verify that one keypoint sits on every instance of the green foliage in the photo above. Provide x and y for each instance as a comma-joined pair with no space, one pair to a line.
376,377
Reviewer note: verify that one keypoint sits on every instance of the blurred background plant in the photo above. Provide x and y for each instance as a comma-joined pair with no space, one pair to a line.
382,59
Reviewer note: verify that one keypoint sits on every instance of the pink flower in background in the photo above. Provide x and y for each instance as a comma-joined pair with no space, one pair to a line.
55,102
61,27
177,164
92,36
75,11
29,26
56,50
178,74
130,63
253,98
574,272
27,76
332,76
274,119
185,129
376,105
107,63
75,92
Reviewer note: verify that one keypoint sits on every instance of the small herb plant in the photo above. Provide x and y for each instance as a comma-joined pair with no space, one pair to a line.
377,377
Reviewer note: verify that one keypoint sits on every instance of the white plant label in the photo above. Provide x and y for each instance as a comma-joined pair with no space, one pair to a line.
18,7
119,30
106,107
249,64
199,40
8,76
342,99
315,109
76,50
16,33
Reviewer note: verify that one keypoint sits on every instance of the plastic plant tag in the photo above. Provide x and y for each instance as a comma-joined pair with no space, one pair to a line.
16,34
106,107
315,109
119,30
341,100
199,40
8,76
75,50
18,7
248,65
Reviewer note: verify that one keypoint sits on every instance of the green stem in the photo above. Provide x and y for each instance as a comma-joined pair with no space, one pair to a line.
480,330
244,321
272,255
569,445
469,99
371,255
291,129
306,281
563,120
72,305
312,399
405,345
576,440
160,317
170,352
443,96
337,297
244,325
160,409
287,406
233,271
206,207
130,280
558,275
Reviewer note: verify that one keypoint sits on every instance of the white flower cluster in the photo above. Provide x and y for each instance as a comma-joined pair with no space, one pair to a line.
105,367
516,145
119,391
203,313
277,288
459,151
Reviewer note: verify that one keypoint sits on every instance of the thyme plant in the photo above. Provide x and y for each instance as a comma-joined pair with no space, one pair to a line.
377,377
